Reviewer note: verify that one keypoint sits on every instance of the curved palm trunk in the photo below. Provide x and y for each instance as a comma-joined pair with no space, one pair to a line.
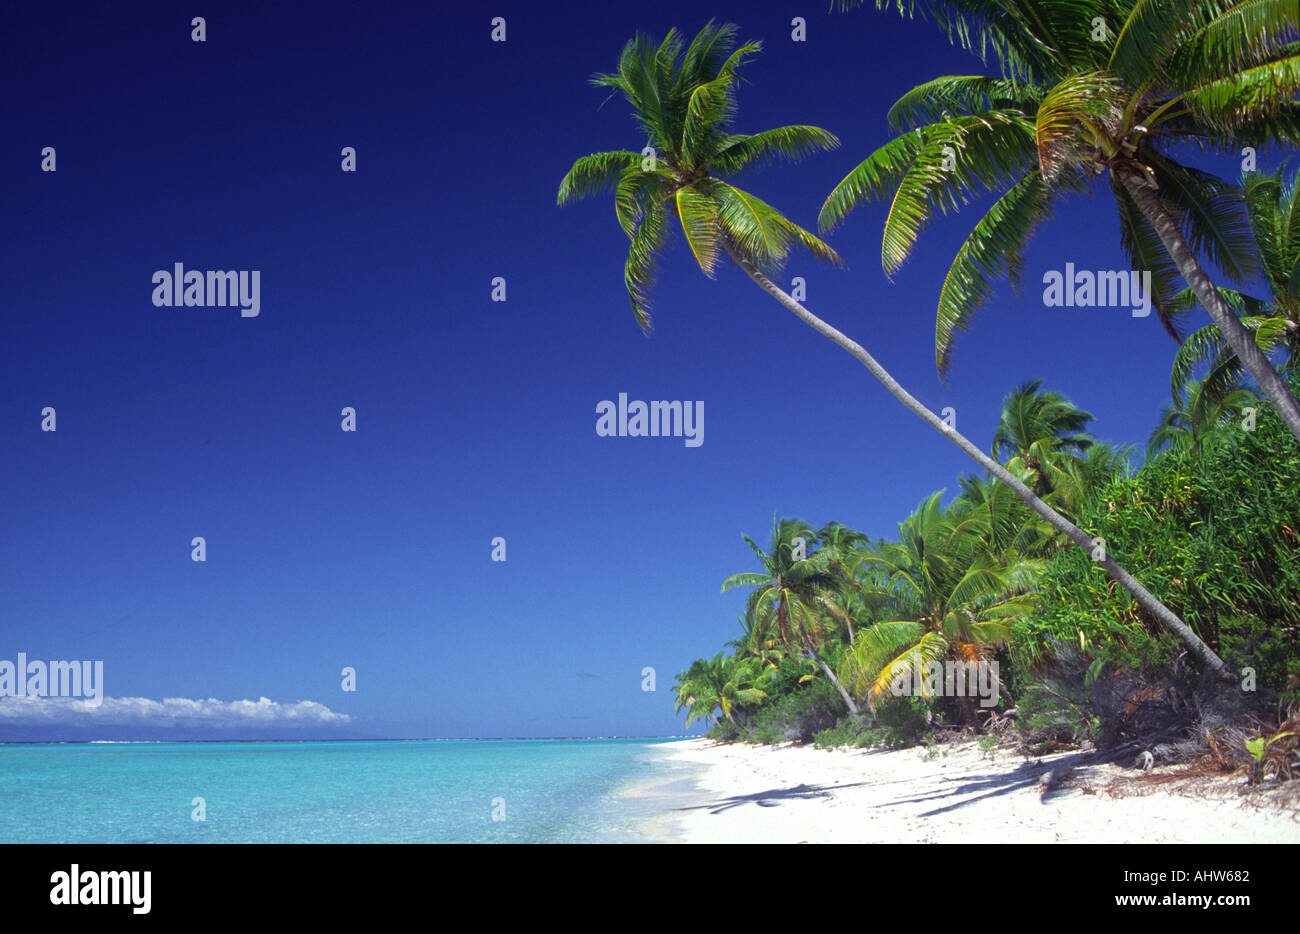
812,653
848,699
1063,525
1234,332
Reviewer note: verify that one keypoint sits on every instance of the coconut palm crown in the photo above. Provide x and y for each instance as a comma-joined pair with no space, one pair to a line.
1089,88
685,102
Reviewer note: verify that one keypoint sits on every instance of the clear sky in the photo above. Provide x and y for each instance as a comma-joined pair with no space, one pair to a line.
475,419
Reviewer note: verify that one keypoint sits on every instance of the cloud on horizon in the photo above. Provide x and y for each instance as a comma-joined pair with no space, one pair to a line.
170,711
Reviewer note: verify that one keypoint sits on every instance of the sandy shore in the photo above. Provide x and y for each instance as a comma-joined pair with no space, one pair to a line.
786,794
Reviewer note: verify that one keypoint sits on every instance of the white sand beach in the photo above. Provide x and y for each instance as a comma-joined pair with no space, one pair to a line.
788,794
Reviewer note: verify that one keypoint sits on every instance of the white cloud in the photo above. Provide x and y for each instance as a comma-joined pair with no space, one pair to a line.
170,711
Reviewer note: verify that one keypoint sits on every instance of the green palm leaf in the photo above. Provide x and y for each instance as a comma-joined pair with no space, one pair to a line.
1213,214
874,178
641,269
995,247
698,214
940,99
596,174
786,143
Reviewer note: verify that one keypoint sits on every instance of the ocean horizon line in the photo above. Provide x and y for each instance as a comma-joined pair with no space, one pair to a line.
373,739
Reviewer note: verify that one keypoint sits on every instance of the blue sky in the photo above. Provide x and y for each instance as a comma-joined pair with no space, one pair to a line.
475,419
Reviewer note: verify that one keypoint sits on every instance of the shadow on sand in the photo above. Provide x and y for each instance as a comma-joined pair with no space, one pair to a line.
771,798
968,789
1047,776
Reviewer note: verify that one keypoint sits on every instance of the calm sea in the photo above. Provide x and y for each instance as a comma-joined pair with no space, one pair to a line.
444,791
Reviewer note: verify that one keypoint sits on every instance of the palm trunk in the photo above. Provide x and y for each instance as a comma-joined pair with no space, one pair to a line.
848,699
1063,525
1234,332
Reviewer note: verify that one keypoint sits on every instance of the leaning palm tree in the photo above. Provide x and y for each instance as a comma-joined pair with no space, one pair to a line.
1273,208
795,599
1090,88
686,105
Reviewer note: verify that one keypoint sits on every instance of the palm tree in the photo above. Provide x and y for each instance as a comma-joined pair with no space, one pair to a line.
719,684
1037,431
1196,415
1090,87
837,545
794,599
1076,478
963,596
1013,530
1273,209
696,690
754,643
686,105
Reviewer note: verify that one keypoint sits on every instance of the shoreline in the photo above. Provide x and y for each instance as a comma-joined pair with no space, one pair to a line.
735,793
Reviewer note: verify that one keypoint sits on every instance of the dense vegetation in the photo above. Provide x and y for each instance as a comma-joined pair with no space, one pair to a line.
1162,602
833,617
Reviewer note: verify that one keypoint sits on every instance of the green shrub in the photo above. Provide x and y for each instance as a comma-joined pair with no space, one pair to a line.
1215,536
904,720
1268,650
794,717
847,732
724,731
898,722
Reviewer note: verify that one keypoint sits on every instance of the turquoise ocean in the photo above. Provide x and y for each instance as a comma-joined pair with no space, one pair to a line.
434,791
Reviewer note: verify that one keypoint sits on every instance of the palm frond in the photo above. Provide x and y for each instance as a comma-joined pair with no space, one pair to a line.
1227,105
960,158
698,213
956,95
642,267
1072,121
873,179
786,143
995,247
596,174
1147,253
1212,212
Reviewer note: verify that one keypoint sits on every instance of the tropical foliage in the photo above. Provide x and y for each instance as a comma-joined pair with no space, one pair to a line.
1273,210
1199,411
981,579
1085,89
960,592
1219,532
685,103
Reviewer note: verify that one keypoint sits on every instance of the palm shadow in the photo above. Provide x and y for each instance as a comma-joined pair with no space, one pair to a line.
996,784
770,798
